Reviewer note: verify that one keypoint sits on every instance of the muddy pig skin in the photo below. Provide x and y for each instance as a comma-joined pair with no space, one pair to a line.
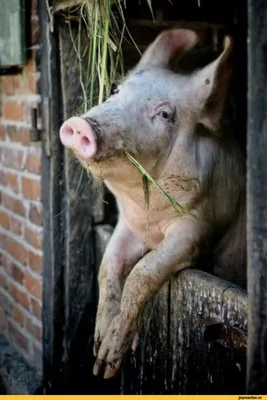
172,124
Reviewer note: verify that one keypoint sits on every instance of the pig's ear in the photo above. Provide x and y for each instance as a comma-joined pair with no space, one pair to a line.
210,86
167,46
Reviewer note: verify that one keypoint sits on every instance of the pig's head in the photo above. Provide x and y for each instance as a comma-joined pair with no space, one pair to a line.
152,111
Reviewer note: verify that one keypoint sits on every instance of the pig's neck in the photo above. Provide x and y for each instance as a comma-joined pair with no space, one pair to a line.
147,223
155,218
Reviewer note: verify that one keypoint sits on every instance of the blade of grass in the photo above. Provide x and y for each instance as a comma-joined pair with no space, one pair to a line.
146,190
94,50
149,2
104,53
177,207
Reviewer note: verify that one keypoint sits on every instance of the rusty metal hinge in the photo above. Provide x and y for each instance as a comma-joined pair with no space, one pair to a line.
35,133
47,125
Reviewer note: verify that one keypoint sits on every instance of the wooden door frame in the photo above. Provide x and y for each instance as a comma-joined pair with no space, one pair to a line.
53,247
52,195
257,197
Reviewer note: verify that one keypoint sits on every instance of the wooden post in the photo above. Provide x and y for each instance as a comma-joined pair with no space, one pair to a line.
52,196
257,197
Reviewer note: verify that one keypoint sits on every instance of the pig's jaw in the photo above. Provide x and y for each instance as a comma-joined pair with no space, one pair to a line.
112,169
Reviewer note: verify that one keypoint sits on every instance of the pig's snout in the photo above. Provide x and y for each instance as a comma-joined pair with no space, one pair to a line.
77,134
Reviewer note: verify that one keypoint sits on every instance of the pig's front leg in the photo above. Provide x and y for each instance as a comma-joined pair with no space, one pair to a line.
178,251
122,252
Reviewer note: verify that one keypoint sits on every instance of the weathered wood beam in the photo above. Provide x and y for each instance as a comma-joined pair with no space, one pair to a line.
257,197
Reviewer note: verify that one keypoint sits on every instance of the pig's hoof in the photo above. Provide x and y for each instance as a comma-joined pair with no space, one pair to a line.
116,342
103,322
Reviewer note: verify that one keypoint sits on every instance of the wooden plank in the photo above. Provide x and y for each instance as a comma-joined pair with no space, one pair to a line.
202,364
82,209
147,371
52,189
179,24
257,195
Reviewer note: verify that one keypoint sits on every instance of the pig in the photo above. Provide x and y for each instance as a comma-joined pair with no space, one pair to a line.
173,125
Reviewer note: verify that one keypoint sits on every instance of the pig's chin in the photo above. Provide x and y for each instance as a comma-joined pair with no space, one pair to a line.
103,166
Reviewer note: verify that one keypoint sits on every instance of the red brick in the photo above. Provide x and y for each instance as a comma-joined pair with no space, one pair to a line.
13,204
18,315
17,273
33,285
16,249
19,296
31,188
18,337
12,158
18,84
15,226
13,111
34,329
35,262
33,238
12,181
7,85
4,219
33,163
36,308
18,135
36,214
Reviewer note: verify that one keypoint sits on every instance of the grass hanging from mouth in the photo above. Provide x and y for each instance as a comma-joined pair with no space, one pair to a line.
146,190
146,178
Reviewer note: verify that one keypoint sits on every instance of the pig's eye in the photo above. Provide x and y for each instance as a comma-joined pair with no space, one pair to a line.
164,114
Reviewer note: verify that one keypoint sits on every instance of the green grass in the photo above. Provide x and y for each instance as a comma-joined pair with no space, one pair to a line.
148,178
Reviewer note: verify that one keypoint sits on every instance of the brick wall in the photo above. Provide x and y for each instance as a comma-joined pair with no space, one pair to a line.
21,208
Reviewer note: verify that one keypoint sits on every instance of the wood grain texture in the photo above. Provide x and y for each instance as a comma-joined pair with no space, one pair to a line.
82,209
147,371
193,339
204,363
53,224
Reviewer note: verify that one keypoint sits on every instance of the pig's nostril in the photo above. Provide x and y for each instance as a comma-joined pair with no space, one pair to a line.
68,131
77,134
85,143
